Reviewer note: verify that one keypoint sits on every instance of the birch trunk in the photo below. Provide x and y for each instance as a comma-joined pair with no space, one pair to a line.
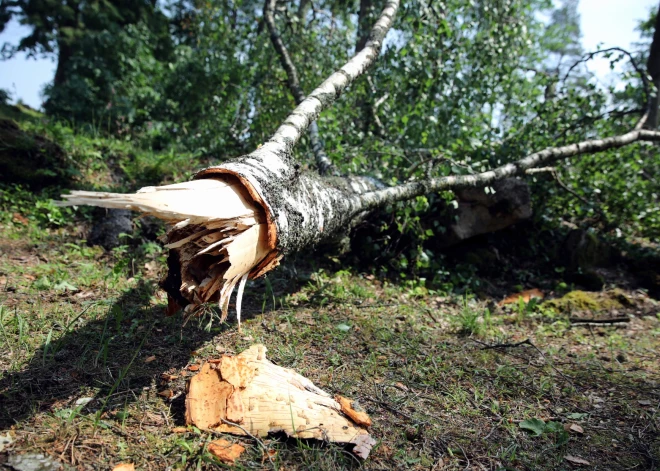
260,207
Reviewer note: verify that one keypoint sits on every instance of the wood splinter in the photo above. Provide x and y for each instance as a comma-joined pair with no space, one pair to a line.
218,236
248,395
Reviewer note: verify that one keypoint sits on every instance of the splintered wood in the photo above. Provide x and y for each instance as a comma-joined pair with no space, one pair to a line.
248,395
219,233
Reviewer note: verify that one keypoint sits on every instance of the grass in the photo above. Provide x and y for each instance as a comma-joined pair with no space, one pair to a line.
93,373
76,382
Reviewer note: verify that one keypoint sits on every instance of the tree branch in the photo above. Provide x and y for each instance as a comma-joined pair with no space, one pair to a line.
291,130
642,75
410,190
323,163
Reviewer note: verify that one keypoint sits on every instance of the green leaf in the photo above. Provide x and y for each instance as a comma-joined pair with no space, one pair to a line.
536,426
64,286
554,427
577,415
343,327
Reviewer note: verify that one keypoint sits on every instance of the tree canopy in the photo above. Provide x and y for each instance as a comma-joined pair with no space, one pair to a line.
459,87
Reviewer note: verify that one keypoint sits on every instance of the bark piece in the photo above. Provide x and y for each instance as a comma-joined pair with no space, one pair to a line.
259,397
226,451
124,467
351,409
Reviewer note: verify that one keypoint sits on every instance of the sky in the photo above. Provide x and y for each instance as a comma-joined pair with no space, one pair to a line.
603,22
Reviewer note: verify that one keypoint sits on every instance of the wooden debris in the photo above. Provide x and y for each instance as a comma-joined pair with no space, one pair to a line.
599,321
124,467
226,451
248,395
352,410
220,234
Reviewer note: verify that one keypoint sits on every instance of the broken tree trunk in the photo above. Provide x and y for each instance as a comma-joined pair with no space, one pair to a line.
237,220
248,395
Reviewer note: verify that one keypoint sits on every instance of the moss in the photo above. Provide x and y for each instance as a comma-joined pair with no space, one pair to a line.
585,301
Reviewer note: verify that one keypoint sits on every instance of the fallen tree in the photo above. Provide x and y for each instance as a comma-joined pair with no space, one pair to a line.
237,220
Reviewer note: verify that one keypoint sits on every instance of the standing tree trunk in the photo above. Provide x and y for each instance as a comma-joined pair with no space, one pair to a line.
653,67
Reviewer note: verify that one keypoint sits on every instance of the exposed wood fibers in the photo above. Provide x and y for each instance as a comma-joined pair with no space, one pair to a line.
220,234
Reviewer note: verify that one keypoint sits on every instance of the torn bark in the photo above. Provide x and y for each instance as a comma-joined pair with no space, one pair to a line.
249,395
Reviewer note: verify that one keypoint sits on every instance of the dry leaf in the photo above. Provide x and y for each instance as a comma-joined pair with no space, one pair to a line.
645,403
577,460
124,467
193,367
526,295
268,455
167,393
168,377
19,218
179,430
226,451
150,359
401,386
573,428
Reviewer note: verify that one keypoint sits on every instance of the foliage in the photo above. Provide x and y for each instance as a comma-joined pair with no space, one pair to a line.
460,87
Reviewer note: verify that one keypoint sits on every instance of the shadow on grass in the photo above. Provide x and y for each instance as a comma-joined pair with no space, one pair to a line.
113,356
104,359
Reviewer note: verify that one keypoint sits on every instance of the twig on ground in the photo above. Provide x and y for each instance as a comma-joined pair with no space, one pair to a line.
614,320
486,346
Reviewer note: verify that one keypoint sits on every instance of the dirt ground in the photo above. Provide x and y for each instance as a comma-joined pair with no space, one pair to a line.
92,372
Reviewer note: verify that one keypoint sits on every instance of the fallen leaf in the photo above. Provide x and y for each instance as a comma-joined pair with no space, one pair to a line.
577,460
179,430
150,359
29,277
535,426
193,367
526,295
168,377
167,393
226,451
573,428
268,455
19,218
83,401
645,403
401,386
124,467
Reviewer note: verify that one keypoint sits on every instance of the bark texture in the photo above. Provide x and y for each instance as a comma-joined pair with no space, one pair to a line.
653,67
323,163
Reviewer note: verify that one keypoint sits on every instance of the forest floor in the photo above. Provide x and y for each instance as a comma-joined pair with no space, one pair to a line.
92,372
